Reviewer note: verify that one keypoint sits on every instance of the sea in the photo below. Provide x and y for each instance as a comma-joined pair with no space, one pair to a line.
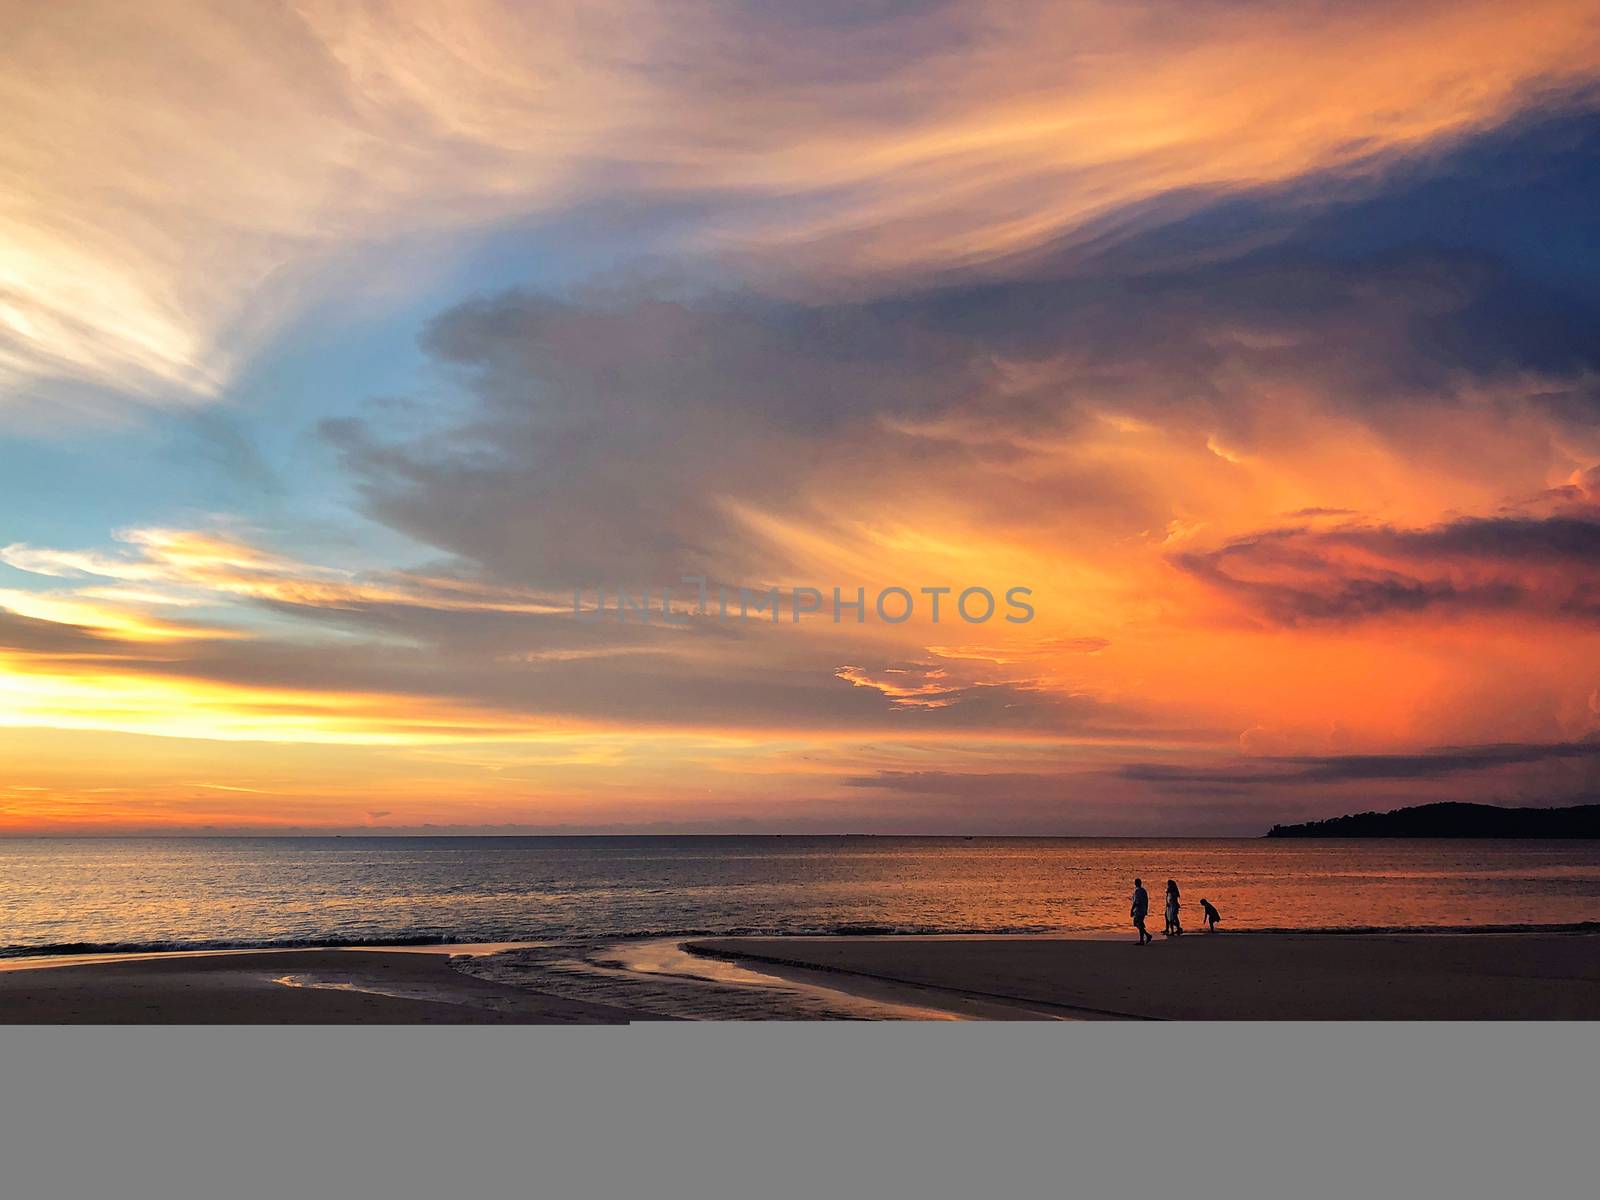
61,896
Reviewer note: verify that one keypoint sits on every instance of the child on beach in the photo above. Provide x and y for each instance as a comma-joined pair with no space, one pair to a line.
1212,916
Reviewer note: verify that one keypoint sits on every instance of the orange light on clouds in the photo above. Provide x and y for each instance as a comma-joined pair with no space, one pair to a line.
1278,511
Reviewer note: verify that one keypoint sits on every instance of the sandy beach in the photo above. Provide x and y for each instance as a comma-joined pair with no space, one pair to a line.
1316,977
1288,976
298,987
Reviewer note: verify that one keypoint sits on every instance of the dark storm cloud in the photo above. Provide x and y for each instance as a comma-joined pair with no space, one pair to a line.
1546,566
1551,540
1347,768
609,435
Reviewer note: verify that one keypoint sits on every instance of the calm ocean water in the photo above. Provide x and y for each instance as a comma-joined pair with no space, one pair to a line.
63,895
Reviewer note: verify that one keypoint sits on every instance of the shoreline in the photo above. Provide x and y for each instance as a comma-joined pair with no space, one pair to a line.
68,953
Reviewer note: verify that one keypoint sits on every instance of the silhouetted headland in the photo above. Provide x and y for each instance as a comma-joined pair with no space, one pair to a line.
1454,820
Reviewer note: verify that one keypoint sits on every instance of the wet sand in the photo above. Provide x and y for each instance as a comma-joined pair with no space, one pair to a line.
297,987
1455,976
658,975
1318,977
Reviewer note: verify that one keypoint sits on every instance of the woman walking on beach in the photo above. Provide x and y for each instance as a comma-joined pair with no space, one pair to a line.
1174,928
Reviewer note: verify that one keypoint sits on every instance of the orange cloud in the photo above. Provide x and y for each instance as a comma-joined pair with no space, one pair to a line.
1274,507
923,140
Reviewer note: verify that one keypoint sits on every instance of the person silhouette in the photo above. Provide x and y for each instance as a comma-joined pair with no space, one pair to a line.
1212,916
1141,906
1174,927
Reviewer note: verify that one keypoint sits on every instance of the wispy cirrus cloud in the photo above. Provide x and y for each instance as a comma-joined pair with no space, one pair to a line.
199,566
190,176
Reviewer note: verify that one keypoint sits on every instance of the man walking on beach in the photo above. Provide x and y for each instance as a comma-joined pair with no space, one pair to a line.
1141,906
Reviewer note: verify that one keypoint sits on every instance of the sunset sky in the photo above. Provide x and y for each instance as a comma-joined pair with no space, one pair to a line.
339,342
